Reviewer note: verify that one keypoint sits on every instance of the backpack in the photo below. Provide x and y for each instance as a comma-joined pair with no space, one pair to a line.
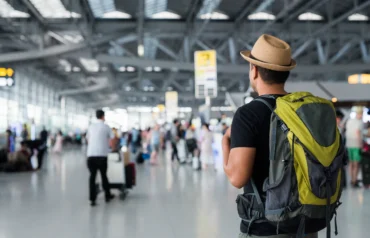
307,157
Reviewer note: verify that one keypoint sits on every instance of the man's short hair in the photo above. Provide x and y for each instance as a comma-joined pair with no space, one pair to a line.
271,76
100,114
339,114
175,121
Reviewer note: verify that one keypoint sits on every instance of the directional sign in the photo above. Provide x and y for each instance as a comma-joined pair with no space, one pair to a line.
205,64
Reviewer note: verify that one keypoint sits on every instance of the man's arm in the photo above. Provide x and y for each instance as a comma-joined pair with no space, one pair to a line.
238,162
239,147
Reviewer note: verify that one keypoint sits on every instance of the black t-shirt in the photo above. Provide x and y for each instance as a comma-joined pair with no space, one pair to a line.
251,128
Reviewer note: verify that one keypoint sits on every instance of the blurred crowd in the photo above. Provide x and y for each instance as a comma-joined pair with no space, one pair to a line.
184,142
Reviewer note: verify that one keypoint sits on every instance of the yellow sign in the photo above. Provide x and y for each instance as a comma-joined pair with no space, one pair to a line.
205,58
205,68
359,79
6,72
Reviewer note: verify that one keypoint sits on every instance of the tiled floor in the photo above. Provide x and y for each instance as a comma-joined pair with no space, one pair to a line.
169,202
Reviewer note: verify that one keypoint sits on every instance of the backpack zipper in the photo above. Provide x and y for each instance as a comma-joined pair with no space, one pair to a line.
301,98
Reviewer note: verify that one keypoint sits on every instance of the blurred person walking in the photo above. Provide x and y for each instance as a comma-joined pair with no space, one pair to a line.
58,146
155,142
98,137
354,137
24,133
206,151
175,137
191,142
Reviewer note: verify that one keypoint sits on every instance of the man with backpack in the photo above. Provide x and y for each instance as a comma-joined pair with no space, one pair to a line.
285,150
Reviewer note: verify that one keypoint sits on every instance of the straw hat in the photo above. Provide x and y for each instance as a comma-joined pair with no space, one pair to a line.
271,53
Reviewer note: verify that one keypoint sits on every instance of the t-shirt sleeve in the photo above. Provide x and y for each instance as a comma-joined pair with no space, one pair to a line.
244,131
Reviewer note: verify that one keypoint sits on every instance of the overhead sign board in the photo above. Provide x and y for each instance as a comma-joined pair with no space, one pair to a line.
172,99
205,68
7,77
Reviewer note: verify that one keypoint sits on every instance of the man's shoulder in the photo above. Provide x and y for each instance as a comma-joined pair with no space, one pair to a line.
255,107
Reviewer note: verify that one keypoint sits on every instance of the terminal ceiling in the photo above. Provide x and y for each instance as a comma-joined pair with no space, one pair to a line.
124,52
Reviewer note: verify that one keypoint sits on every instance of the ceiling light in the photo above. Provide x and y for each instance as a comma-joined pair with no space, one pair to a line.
76,69
214,16
7,11
151,88
165,15
149,69
261,16
104,69
157,69
122,69
91,65
53,9
309,16
140,50
146,88
130,69
128,88
68,69
358,17
116,15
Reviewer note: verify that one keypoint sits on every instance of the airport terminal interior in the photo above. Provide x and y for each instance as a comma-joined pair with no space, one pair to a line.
145,92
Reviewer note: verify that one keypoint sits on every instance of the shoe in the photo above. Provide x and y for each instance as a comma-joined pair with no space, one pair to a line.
109,198
355,185
93,204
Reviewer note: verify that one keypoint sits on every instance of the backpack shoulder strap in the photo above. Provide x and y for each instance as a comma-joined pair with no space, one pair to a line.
265,102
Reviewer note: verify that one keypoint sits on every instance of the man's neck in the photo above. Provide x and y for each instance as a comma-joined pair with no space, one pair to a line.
274,89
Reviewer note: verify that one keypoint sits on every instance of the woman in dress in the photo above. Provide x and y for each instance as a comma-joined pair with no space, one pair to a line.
155,139
58,143
206,154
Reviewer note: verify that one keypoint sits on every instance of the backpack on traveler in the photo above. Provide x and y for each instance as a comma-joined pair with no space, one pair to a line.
307,156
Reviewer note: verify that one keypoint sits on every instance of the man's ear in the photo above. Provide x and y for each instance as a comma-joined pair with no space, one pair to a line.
254,71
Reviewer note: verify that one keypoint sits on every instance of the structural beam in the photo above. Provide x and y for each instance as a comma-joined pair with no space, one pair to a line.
232,50
320,52
302,48
364,52
229,68
340,53
103,83
165,49
51,51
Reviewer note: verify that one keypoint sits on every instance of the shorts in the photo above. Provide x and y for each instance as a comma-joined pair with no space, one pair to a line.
155,147
354,154
241,235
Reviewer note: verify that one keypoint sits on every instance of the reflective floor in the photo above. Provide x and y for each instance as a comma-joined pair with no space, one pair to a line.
169,201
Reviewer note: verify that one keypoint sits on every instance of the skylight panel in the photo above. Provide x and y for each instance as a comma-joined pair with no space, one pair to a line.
90,65
7,11
100,7
208,7
261,16
116,15
165,15
358,17
214,16
53,9
155,6
309,16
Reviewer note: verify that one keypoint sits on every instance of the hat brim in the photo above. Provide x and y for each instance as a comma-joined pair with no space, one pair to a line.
246,54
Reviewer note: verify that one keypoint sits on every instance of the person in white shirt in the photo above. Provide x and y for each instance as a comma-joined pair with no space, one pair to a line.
354,129
98,137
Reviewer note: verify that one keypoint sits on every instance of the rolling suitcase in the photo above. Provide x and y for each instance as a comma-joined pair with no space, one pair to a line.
365,164
130,173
